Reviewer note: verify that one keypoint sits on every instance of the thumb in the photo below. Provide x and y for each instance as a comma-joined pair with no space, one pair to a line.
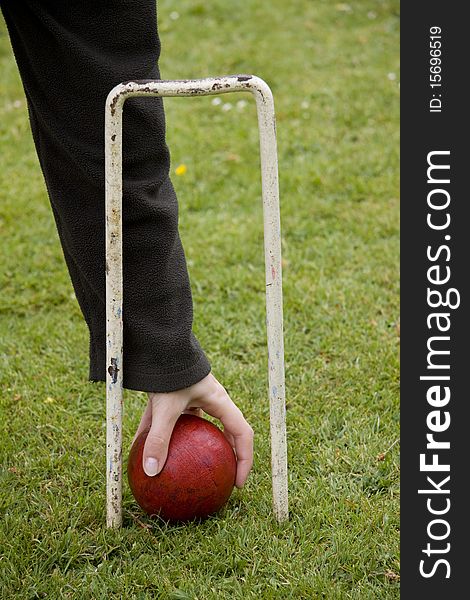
164,417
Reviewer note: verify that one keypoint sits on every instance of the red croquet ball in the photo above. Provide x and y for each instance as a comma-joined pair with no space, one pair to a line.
197,478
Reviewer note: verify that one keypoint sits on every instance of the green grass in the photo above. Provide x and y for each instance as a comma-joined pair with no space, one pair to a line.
331,68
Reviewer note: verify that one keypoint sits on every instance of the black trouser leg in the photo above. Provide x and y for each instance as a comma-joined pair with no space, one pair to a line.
70,54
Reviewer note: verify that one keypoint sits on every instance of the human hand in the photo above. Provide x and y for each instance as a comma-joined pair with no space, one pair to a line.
163,411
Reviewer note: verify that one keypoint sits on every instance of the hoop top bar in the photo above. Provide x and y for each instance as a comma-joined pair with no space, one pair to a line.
189,87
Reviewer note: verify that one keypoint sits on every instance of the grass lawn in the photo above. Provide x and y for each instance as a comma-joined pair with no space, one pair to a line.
333,68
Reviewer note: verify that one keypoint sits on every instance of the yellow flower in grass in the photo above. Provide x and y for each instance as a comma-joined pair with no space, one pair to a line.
181,170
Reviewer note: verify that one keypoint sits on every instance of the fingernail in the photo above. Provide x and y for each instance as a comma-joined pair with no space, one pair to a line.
151,466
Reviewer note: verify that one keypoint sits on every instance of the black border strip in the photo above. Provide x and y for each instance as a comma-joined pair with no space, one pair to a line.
423,247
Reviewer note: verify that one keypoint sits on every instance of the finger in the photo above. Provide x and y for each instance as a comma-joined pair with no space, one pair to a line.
229,438
165,413
220,406
244,451
145,422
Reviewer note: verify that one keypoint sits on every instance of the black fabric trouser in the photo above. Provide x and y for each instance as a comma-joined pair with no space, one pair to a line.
70,54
